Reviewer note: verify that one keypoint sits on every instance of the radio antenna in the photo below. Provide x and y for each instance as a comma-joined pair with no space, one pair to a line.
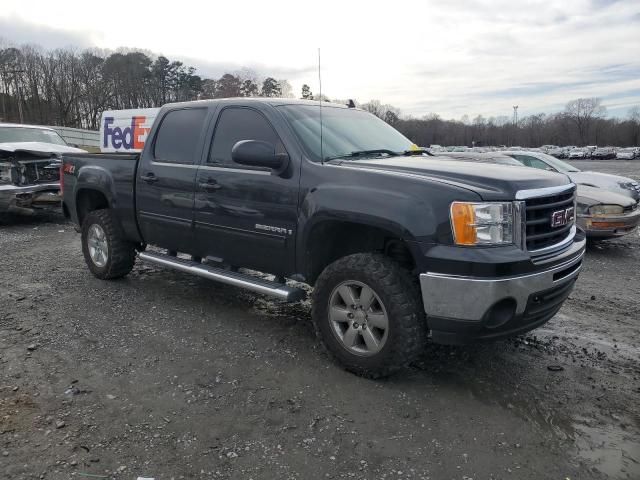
320,82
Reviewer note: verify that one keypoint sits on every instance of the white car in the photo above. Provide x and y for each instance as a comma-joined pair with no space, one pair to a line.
578,153
30,168
626,154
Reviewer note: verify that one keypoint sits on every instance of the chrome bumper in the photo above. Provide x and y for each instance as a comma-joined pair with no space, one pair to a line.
23,199
469,298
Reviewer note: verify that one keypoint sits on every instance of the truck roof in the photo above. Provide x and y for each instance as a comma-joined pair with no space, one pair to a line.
271,101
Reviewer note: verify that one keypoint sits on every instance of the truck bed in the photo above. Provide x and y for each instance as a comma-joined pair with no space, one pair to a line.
114,173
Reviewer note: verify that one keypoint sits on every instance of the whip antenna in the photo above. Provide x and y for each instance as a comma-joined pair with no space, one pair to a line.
320,82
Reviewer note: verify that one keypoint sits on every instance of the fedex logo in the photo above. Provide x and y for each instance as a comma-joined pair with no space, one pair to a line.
131,137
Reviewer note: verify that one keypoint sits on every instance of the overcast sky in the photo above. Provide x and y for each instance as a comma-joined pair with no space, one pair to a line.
450,57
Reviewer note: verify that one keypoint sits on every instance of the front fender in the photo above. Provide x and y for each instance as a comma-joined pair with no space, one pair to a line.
398,212
412,214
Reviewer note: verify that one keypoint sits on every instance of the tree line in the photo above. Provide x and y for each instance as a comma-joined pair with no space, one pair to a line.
72,88
582,122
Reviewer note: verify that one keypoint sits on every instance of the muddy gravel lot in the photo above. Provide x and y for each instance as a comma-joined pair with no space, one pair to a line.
168,376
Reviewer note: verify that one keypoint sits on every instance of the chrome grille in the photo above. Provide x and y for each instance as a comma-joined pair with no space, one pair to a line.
542,239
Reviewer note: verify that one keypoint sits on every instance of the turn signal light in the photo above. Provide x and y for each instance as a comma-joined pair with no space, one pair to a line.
484,223
463,219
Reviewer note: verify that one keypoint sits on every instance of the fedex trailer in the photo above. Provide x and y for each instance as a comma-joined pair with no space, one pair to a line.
126,130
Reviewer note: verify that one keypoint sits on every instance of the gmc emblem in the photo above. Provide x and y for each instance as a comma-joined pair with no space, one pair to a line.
561,218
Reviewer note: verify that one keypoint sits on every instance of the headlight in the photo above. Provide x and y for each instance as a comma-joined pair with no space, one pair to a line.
482,223
5,173
606,210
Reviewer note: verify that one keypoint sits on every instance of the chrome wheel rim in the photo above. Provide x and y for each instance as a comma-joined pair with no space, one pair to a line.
358,318
98,246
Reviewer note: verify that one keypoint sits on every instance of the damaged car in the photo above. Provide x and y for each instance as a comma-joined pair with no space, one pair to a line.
603,214
30,168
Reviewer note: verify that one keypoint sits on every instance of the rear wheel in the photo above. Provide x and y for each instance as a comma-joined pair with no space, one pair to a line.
106,253
368,313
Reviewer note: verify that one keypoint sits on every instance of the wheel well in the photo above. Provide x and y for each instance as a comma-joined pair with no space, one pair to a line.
89,200
332,240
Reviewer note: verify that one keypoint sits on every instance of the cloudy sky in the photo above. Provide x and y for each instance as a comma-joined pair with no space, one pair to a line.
452,58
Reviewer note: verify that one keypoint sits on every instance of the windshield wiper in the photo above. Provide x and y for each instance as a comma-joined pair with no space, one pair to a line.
419,151
380,151
363,153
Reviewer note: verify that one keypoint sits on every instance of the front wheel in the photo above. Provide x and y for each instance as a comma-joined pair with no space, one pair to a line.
106,253
368,313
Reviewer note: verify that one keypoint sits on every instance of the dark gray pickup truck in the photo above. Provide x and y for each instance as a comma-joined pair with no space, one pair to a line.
398,245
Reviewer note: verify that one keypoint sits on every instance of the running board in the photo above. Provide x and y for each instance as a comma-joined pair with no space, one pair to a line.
248,282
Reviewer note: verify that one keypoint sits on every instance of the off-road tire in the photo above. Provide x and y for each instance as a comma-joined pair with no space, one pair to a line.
121,253
399,292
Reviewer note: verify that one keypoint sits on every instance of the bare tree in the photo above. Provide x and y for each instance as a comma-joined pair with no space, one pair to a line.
582,112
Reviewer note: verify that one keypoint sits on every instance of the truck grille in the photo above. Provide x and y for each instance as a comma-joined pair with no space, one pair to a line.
538,219
39,172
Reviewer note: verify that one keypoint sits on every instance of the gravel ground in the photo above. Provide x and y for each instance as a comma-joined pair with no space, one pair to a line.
167,376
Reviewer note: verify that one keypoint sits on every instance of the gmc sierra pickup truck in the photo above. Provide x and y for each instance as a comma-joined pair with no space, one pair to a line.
399,245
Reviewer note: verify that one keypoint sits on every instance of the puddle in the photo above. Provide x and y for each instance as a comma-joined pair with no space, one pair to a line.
608,444
609,448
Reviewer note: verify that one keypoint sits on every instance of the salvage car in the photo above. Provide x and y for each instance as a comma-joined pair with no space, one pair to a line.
603,153
578,153
626,153
29,168
399,245
614,183
603,214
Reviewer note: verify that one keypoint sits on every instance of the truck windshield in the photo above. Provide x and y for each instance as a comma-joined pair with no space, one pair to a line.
345,131
26,134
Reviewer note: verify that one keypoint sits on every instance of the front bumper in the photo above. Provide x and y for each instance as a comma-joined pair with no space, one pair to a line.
609,226
463,309
28,199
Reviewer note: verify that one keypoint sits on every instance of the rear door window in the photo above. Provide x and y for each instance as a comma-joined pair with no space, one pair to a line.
178,136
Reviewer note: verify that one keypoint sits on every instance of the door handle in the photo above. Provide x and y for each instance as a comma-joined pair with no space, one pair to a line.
149,178
210,185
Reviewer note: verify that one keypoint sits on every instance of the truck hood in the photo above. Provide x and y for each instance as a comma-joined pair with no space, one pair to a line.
490,181
37,148
614,183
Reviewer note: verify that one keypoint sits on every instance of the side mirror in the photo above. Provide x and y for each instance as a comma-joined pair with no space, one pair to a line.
256,153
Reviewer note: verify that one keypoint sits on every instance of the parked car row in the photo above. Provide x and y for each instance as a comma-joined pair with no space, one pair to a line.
592,151
570,151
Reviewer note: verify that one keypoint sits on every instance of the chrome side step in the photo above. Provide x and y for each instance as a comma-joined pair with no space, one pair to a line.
248,282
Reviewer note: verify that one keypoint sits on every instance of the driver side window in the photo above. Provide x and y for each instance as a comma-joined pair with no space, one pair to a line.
236,124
